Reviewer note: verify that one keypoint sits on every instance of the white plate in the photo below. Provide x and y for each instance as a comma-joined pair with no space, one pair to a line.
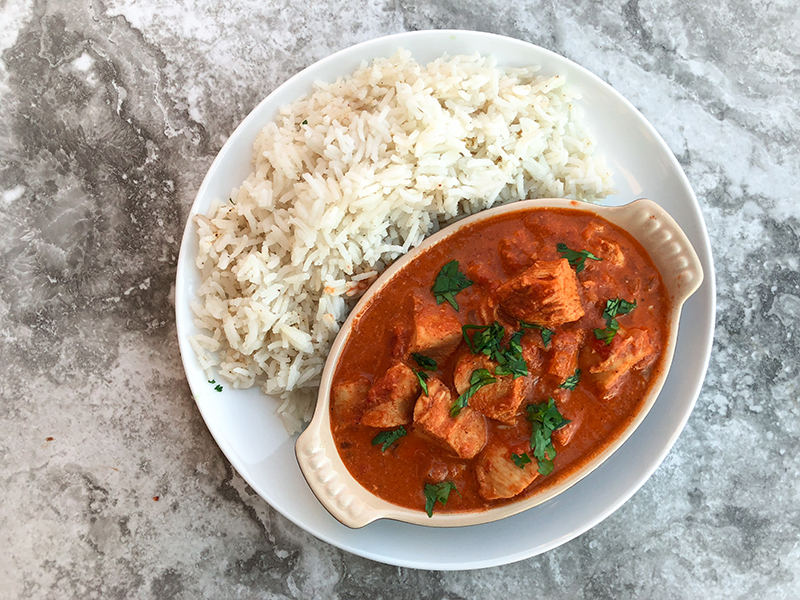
244,423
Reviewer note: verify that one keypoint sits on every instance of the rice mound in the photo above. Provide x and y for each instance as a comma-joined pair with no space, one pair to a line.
351,177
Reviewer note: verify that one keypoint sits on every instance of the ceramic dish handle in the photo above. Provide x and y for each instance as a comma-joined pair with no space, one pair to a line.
668,246
328,485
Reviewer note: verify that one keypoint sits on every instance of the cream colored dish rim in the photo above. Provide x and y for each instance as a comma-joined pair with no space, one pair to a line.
355,506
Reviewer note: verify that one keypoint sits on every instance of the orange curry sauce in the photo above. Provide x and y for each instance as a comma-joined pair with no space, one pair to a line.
490,253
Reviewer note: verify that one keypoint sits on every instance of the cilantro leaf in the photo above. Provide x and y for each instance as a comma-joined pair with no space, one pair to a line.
478,379
437,492
545,467
547,415
572,381
514,366
422,376
387,438
607,335
541,443
305,122
515,342
617,306
547,334
544,419
521,461
217,387
576,258
448,283
424,361
488,340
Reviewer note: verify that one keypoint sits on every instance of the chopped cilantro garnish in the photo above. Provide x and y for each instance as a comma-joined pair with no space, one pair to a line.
521,461
488,340
305,122
572,381
547,334
545,419
437,492
607,335
387,438
514,366
576,258
422,376
478,379
424,361
546,466
448,283
617,306
217,387
515,342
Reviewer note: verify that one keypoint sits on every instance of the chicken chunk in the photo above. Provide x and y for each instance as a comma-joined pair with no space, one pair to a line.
348,399
595,234
401,341
499,477
390,401
633,350
565,347
464,435
533,351
563,435
546,294
480,274
466,364
436,329
591,290
518,251
499,400
488,311
610,251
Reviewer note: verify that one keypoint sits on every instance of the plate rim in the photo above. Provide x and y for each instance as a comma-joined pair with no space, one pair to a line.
704,251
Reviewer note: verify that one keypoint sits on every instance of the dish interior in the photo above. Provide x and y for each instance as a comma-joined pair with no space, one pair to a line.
593,395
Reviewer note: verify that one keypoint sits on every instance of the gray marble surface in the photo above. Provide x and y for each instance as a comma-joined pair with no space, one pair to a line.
110,114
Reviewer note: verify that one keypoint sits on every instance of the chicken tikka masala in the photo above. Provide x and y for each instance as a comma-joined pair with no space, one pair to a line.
499,360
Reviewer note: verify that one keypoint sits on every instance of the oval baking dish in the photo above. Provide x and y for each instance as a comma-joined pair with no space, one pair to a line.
355,506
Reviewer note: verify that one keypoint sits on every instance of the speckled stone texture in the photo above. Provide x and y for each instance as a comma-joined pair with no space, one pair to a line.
110,114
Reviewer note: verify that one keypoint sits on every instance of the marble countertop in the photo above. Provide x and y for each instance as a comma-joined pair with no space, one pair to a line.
110,114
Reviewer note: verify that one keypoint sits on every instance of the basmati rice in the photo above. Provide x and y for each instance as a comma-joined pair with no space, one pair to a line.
354,175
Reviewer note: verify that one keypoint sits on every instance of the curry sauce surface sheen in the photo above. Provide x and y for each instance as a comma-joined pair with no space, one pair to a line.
490,253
